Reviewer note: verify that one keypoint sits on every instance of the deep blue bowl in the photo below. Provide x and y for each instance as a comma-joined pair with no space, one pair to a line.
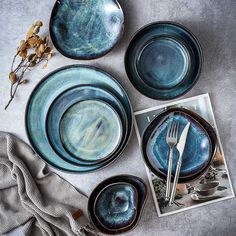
44,94
67,99
116,204
163,60
199,150
86,29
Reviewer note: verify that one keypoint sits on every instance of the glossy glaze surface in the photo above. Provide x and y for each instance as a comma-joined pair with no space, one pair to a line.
200,149
91,130
137,183
197,148
86,29
116,205
45,93
163,60
67,99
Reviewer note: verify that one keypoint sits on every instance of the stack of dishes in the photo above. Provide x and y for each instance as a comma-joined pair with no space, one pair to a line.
79,119
199,151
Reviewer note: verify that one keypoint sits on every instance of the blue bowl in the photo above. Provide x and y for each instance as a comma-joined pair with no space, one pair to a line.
199,150
86,29
116,204
67,99
45,93
163,60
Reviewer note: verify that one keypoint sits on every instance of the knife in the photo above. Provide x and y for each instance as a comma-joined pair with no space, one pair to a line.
180,147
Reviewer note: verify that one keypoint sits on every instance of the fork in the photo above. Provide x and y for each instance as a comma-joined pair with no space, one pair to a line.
171,140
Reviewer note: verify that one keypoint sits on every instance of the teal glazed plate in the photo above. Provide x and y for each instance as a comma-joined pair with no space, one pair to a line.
164,60
66,100
91,130
116,204
85,29
199,149
48,90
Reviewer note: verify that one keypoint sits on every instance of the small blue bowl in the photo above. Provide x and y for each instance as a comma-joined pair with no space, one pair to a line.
86,29
163,60
116,204
199,150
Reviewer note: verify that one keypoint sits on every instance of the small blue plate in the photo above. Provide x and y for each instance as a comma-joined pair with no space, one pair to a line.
91,130
50,88
199,149
67,99
163,60
86,29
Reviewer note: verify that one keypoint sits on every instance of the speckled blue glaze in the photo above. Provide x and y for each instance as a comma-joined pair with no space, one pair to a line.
127,180
197,149
91,130
163,60
67,99
116,206
163,63
85,29
47,90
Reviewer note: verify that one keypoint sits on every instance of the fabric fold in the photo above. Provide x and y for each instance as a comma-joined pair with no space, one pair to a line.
35,197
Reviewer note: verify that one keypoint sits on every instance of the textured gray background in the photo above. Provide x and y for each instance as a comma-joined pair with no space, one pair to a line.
213,22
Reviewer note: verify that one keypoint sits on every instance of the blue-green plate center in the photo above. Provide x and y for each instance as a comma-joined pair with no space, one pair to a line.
163,62
91,130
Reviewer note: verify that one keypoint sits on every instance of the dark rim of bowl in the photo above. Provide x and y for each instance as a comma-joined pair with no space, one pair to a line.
107,156
200,120
58,153
201,57
125,178
121,33
27,108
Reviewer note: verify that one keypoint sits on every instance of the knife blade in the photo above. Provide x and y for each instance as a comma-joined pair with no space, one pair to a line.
182,140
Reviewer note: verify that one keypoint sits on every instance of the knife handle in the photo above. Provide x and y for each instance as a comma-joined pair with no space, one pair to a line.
172,197
168,181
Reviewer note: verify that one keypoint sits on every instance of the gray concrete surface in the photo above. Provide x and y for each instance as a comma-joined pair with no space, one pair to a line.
213,22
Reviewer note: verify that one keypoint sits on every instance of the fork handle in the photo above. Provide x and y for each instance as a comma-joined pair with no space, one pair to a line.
172,197
168,181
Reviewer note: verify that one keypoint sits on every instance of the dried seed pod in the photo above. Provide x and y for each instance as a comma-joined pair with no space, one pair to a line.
23,45
30,32
23,54
13,77
36,29
48,50
41,48
31,57
34,41
38,23
25,81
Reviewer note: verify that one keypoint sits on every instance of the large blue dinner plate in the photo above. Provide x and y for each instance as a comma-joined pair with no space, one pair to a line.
85,29
67,99
163,60
199,149
44,94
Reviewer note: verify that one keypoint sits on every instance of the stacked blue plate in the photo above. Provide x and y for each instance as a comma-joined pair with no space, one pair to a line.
79,119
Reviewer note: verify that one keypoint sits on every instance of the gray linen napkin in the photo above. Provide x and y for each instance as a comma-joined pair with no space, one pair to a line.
35,197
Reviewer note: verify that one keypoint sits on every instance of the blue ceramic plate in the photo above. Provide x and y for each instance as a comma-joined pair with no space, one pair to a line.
67,99
163,60
116,204
86,29
91,130
199,150
44,94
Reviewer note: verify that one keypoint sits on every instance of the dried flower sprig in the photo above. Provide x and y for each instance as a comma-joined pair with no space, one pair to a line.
30,52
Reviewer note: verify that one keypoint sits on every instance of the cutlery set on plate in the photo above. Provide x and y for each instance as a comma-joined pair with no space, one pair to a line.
172,141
